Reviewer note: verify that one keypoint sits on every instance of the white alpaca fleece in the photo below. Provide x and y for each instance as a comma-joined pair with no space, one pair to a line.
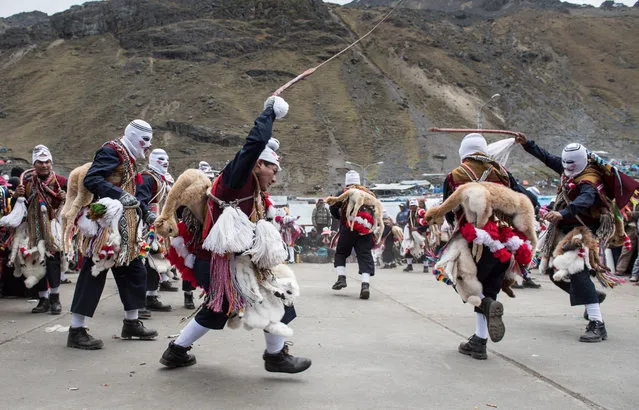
159,263
86,226
113,213
31,262
232,232
568,264
268,248
16,216
270,296
458,264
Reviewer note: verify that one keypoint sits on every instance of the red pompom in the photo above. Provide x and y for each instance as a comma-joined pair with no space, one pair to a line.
138,179
503,255
421,212
468,232
278,219
523,255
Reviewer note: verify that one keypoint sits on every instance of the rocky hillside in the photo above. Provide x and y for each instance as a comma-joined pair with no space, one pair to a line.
199,71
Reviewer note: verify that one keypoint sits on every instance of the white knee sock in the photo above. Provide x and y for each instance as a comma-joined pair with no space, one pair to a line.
63,275
291,254
594,311
409,261
131,314
191,332
164,277
426,262
54,291
481,325
341,270
151,292
366,277
44,294
78,320
274,343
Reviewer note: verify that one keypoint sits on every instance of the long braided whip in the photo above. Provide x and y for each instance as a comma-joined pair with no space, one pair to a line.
310,71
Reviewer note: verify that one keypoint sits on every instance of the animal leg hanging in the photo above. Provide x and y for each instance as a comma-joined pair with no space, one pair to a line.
310,71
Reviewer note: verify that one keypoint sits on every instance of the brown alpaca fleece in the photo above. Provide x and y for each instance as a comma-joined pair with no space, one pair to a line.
580,237
481,199
357,198
189,190
77,198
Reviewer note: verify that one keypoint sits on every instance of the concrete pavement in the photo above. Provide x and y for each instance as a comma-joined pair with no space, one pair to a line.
396,350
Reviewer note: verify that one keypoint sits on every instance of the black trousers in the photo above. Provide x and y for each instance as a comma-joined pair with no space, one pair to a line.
152,277
490,272
52,273
580,288
216,320
187,286
131,281
363,245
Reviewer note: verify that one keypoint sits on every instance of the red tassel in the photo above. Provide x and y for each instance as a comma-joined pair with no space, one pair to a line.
503,255
523,255
468,232
138,179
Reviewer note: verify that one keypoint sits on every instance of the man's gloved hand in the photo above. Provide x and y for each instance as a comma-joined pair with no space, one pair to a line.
129,201
280,107
150,218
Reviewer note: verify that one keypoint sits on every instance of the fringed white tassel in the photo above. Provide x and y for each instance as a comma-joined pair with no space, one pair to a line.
268,248
232,232
14,219
88,227
114,210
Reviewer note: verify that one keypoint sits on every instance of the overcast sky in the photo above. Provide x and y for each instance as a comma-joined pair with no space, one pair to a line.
11,7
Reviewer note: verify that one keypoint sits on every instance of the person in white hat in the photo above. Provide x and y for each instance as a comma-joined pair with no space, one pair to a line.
477,166
410,227
582,186
240,190
41,187
360,238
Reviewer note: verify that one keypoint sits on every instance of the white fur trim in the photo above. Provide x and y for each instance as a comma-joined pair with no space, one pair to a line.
189,261
268,248
15,217
233,232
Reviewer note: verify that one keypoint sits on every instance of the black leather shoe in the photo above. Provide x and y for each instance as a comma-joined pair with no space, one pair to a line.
283,362
595,332
43,306
135,328
79,338
475,347
166,286
386,266
426,269
341,283
177,356
365,293
408,268
188,301
153,303
494,311
56,306
529,283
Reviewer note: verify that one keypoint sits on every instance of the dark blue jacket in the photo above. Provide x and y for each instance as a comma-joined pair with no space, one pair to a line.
238,171
585,199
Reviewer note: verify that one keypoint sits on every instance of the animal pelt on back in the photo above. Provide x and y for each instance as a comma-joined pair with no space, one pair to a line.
270,297
356,199
31,262
577,251
481,200
458,264
189,190
78,196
